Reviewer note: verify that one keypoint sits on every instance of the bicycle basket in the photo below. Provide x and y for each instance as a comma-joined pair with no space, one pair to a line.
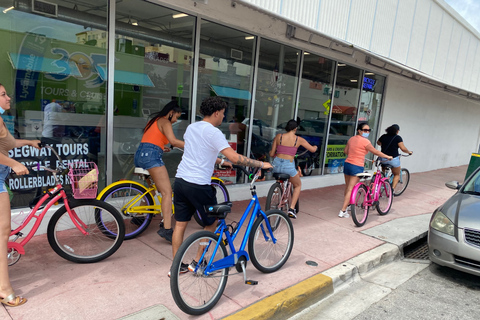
84,179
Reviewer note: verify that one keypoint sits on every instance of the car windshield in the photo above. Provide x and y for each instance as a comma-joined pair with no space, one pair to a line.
473,185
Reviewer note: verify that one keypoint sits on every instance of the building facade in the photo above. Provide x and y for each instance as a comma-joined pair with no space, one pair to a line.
271,61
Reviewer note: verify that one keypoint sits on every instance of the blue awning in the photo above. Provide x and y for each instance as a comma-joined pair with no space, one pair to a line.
47,65
231,92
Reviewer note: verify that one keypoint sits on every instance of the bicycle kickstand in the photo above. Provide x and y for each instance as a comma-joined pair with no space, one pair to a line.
250,282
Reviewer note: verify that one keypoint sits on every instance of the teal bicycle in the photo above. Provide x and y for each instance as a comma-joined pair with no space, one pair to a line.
270,241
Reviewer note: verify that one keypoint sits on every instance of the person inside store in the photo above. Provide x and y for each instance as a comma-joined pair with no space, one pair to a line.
284,148
203,142
156,135
356,149
8,142
389,143
51,130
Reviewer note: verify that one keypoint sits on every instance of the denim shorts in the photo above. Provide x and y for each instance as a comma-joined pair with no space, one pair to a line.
148,156
4,171
284,166
395,162
351,169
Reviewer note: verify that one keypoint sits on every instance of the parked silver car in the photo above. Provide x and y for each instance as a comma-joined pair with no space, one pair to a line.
454,232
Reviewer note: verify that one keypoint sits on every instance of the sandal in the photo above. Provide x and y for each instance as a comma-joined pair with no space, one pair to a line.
13,301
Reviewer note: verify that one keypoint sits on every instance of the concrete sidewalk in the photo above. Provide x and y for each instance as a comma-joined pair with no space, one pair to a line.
133,283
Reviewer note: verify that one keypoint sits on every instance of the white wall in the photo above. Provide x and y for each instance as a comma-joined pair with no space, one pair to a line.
440,128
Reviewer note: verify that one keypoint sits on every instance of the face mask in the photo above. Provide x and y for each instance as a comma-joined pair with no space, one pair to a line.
2,111
365,134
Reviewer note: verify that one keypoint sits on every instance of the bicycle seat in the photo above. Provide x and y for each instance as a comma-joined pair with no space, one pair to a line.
220,210
281,176
364,175
141,171
389,166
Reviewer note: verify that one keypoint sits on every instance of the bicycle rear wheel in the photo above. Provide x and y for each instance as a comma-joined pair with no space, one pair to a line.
359,210
222,195
385,197
194,292
119,197
403,183
267,256
72,244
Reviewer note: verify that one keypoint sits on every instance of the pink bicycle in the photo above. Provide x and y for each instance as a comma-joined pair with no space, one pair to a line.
369,192
83,230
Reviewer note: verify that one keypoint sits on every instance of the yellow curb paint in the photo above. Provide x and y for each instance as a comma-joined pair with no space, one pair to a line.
289,301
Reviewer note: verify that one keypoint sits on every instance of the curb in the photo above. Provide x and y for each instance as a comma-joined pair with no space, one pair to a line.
290,301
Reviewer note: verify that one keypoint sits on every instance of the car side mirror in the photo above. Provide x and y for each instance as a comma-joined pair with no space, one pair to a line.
453,185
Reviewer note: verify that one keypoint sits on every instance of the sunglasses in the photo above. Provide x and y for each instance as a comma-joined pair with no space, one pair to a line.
366,130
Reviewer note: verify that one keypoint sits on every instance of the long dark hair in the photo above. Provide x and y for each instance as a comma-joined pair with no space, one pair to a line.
392,130
291,125
172,105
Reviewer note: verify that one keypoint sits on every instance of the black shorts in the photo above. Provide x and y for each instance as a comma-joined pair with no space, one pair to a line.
190,197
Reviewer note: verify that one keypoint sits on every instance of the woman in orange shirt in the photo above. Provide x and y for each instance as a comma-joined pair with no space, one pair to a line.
356,149
157,133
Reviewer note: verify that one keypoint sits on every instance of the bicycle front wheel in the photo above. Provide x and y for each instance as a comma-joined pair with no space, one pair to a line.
385,197
195,292
125,194
222,195
402,183
88,242
266,255
308,167
359,209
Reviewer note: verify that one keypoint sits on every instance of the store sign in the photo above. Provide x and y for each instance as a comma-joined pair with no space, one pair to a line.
369,84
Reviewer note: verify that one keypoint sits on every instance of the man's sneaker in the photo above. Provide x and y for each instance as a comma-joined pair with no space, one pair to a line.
194,264
343,214
183,269
292,213
166,234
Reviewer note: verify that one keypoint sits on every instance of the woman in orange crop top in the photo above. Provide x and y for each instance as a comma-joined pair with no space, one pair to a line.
356,149
157,134
284,148
8,142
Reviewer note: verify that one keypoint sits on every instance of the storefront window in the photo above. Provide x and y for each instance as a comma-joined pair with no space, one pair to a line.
153,66
343,115
53,73
275,95
371,102
314,109
225,69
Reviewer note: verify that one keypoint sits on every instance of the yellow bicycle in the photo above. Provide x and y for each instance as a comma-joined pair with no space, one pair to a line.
138,203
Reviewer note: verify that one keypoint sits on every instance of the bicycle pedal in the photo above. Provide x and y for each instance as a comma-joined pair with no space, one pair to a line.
251,282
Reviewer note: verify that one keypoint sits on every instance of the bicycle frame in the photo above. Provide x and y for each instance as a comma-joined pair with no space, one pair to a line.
60,194
373,190
254,209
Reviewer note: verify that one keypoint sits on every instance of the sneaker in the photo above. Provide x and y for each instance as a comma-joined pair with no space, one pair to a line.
292,213
194,264
183,269
166,234
343,214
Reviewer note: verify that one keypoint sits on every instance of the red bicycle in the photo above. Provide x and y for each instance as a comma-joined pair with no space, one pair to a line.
369,192
83,230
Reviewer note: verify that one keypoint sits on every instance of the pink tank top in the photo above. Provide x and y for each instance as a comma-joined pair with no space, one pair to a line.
289,151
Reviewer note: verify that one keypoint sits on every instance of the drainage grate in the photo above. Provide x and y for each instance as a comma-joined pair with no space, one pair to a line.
417,250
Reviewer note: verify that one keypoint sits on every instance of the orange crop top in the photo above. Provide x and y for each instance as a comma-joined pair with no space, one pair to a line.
154,136
357,150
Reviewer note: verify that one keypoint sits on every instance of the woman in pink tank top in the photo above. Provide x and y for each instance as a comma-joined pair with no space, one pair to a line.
284,148
8,142
356,149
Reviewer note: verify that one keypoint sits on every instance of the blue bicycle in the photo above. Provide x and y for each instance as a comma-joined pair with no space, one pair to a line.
270,242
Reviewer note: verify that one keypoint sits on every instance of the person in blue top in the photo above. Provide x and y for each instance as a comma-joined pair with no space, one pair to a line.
390,142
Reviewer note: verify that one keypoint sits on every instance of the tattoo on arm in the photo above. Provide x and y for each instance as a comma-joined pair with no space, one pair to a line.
246,162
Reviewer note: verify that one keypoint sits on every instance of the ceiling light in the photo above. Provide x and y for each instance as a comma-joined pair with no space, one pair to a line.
353,80
306,53
8,9
135,23
249,37
179,15
341,64
369,73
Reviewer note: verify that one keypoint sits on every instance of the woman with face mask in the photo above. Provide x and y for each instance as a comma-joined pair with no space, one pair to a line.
390,142
157,134
8,142
356,149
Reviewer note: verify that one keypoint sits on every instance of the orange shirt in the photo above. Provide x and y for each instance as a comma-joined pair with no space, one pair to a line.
357,150
155,136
